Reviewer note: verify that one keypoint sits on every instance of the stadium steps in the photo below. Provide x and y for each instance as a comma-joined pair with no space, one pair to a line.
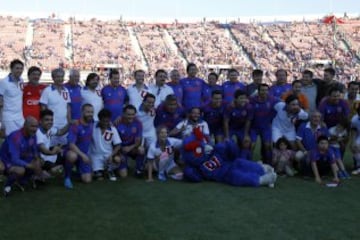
235,45
29,36
68,43
289,40
269,38
173,47
137,48
319,43
348,46
243,49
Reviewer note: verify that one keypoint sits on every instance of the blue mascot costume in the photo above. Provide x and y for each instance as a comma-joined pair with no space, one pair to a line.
222,163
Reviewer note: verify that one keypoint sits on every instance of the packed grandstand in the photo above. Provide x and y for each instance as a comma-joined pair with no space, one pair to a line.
96,45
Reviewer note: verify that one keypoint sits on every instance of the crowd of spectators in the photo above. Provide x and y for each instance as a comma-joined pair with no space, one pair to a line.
12,39
156,49
97,42
294,46
48,45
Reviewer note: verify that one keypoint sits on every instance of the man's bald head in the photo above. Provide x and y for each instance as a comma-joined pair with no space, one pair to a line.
31,125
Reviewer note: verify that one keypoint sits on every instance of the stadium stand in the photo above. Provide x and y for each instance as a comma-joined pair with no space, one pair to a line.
51,42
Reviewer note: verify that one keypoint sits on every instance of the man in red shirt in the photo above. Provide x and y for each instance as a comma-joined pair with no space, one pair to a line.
32,92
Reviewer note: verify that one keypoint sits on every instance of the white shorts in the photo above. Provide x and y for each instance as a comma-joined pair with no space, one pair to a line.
49,158
277,133
98,161
11,126
168,167
148,139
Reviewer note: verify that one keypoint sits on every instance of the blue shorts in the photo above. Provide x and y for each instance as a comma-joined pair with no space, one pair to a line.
240,134
217,131
265,134
82,167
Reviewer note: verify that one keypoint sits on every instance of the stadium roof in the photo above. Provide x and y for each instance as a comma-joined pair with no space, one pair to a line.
243,19
182,10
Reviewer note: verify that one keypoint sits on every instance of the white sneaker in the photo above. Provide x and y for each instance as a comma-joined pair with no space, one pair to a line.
273,180
266,179
112,176
7,191
289,171
177,176
356,171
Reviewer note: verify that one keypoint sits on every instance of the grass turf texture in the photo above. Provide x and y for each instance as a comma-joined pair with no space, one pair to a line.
134,209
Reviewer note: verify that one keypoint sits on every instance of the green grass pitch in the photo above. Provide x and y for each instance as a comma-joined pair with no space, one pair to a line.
133,209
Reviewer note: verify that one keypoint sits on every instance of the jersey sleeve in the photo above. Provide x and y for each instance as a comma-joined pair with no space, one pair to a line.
72,136
176,143
116,137
44,99
303,115
40,138
2,87
14,149
300,132
35,149
206,130
139,130
278,106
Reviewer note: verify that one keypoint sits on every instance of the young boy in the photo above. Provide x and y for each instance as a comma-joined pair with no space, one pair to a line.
322,159
237,118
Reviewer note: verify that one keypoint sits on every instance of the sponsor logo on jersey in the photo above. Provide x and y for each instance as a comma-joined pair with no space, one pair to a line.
31,102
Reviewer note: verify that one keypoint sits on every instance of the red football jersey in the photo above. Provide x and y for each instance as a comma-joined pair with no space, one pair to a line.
31,97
